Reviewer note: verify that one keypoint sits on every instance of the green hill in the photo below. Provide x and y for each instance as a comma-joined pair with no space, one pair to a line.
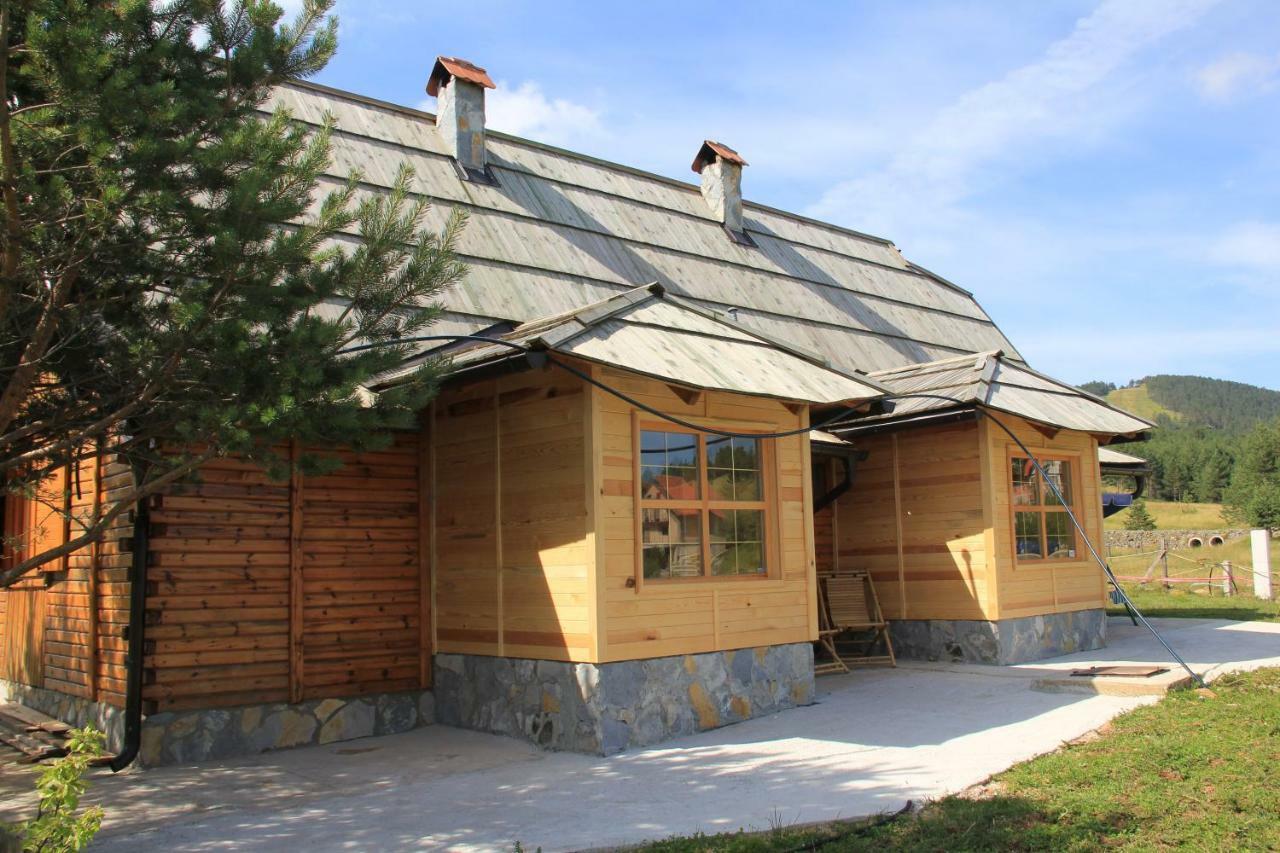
1231,407
1204,431
1138,401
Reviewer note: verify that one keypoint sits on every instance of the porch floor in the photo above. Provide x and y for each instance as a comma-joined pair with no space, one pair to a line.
874,739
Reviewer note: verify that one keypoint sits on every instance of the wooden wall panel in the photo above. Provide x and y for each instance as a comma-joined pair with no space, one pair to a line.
269,591
644,620
361,578
218,591
1053,586
914,519
514,551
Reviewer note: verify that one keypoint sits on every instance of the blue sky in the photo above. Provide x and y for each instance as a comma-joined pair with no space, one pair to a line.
1104,176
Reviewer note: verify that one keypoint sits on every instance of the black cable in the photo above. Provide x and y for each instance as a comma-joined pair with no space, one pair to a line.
1057,493
586,377
1106,568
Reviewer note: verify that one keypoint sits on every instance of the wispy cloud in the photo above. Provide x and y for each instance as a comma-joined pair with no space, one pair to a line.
1253,245
1238,75
525,110
1052,98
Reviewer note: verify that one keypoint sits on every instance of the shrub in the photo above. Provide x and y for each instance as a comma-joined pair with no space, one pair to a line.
1138,517
57,828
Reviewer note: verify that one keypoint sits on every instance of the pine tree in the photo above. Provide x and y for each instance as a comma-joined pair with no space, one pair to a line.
1254,495
1138,518
174,285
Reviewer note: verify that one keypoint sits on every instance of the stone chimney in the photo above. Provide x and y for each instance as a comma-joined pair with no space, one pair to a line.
721,170
458,87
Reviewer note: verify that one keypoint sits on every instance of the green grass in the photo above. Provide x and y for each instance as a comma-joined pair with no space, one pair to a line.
1173,515
1199,602
1192,771
1138,401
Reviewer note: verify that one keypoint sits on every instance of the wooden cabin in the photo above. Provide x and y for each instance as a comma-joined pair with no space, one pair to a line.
604,533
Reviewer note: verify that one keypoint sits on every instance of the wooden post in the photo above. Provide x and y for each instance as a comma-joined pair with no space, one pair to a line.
1164,559
295,577
1261,543
1228,582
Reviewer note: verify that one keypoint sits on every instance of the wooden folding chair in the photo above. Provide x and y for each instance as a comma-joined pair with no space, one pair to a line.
847,604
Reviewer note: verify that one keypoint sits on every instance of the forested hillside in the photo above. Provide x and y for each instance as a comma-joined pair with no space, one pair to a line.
1218,441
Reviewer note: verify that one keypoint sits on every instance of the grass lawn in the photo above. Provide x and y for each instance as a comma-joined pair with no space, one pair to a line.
1174,515
1198,602
1189,772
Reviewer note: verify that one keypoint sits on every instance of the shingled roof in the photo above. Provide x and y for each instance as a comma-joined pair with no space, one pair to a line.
648,331
991,381
561,231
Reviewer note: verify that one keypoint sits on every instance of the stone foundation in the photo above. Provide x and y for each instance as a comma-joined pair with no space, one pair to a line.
1004,641
186,736
73,710
606,708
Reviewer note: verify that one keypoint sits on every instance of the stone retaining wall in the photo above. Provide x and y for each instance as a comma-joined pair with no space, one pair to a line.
73,710
185,736
1150,540
605,708
1005,641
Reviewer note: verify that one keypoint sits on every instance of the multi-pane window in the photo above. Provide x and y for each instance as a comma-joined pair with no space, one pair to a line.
702,505
1041,526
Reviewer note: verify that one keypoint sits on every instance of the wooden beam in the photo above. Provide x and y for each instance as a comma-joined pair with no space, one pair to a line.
897,522
1045,430
425,512
296,612
497,513
690,396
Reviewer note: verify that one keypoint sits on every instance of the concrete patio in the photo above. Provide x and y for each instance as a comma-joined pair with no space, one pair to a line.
874,739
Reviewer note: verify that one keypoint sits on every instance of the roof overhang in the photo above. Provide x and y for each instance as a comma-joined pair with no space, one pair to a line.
649,332
951,388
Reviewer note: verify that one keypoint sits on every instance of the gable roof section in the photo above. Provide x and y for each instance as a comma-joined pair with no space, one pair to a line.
992,381
648,331
563,230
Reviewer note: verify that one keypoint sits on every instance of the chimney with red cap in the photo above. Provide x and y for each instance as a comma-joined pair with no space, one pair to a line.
458,87
721,170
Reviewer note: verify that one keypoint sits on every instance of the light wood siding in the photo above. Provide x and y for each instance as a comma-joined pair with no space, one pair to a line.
1052,586
914,519
269,591
656,619
514,547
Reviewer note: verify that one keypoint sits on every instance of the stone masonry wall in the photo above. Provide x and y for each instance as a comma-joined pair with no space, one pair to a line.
1006,641
187,736
73,710
606,708
1148,540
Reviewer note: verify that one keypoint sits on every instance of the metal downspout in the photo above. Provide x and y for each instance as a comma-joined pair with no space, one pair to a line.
136,636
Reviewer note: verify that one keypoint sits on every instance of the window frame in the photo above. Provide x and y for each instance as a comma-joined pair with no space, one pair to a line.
1043,509
705,504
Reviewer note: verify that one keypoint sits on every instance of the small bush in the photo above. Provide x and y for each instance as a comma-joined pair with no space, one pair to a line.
57,828
1138,517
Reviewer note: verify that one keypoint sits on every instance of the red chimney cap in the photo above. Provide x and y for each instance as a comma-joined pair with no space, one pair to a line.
451,66
710,150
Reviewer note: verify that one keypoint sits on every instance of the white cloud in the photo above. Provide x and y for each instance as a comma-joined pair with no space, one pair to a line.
1238,74
1063,96
525,110
1253,245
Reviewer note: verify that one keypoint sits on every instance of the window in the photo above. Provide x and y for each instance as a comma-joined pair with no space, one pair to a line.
702,505
1041,526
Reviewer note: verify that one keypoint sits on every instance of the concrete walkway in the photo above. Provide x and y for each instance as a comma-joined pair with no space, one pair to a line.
875,739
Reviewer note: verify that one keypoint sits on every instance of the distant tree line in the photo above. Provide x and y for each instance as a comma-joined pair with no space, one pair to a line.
1225,447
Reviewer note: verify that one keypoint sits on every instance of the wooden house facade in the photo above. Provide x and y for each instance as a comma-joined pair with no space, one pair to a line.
604,532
